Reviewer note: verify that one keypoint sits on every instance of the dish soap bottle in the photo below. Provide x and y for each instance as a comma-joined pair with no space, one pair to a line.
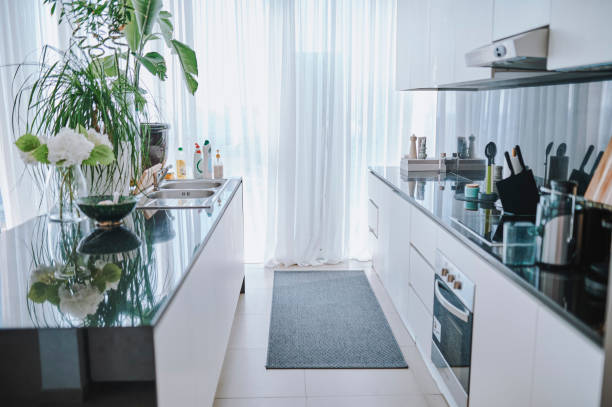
218,167
197,162
206,160
181,167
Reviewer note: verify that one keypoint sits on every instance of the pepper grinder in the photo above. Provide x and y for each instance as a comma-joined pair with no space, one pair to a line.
422,148
413,151
471,146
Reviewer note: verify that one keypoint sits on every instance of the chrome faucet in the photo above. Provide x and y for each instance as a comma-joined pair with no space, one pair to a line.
159,177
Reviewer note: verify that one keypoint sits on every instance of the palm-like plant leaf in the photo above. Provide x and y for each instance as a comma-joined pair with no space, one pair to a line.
189,63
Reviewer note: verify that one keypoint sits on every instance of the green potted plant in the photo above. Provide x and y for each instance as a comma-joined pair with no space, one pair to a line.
95,82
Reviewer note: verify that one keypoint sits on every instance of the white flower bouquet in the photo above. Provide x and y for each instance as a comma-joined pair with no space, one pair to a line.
69,147
66,152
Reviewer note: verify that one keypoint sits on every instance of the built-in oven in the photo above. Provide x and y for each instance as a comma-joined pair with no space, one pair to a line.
451,336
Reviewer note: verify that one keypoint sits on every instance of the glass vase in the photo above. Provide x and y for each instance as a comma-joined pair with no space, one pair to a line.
63,187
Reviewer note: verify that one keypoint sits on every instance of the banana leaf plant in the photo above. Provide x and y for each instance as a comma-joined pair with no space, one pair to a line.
127,28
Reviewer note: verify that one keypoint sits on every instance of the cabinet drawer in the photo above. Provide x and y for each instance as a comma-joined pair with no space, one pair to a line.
373,218
420,322
422,278
423,235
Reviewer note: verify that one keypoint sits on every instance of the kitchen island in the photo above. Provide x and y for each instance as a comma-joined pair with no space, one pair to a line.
136,315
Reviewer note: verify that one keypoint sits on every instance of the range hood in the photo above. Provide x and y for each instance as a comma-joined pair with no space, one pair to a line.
520,60
524,51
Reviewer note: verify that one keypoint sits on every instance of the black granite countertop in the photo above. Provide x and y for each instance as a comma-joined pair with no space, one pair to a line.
572,294
55,275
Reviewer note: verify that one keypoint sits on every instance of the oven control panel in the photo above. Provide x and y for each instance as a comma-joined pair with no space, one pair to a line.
455,280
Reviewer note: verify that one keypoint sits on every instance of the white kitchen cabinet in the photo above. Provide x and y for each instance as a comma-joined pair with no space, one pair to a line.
442,41
412,70
422,278
420,321
192,334
398,265
580,33
473,29
503,338
375,199
423,235
568,367
511,17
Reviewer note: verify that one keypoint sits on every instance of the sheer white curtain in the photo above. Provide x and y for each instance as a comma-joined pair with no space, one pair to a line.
337,111
26,27
298,96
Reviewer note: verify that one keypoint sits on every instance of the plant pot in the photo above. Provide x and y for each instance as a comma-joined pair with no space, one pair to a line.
64,185
155,135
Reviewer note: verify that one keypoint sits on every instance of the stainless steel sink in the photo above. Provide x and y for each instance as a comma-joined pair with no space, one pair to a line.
191,184
182,194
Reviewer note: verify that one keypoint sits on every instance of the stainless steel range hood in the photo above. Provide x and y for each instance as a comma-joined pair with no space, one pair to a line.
520,60
525,51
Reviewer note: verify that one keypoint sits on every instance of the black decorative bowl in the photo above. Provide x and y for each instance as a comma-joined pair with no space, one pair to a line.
107,215
109,241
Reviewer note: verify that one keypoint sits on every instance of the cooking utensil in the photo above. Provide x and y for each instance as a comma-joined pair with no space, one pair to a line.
490,152
548,150
555,216
561,150
600,187
559,164
509,161
579,175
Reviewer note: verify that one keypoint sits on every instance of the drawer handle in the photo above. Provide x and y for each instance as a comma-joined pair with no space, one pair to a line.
461,314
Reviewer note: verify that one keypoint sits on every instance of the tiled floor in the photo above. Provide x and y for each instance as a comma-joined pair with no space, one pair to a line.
245,382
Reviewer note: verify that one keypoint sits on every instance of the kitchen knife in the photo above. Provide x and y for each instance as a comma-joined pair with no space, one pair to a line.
515,162
548,150
596,163
580,176
520,156
509,161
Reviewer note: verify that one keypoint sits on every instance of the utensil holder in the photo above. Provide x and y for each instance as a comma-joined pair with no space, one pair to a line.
519,193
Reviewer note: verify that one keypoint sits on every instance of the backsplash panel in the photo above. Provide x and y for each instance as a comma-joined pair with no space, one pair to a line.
576,114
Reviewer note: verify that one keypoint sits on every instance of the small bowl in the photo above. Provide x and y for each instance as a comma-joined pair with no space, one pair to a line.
107,215
109,241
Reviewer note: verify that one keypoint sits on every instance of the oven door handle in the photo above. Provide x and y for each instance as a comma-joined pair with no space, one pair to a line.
461,314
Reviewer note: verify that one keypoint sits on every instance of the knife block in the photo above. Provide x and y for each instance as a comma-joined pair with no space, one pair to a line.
519,193
558,167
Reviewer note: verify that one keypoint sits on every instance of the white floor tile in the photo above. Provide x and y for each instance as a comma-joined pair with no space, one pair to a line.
415,361
360,382
261,402
245,381
400,332
257,277
436,400
250,331
257,301
413,400
244,375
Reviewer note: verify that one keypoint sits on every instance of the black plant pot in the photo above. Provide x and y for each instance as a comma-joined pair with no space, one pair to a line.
155,135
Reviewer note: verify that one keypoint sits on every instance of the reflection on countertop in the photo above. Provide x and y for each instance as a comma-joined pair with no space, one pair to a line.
55,275
578,296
